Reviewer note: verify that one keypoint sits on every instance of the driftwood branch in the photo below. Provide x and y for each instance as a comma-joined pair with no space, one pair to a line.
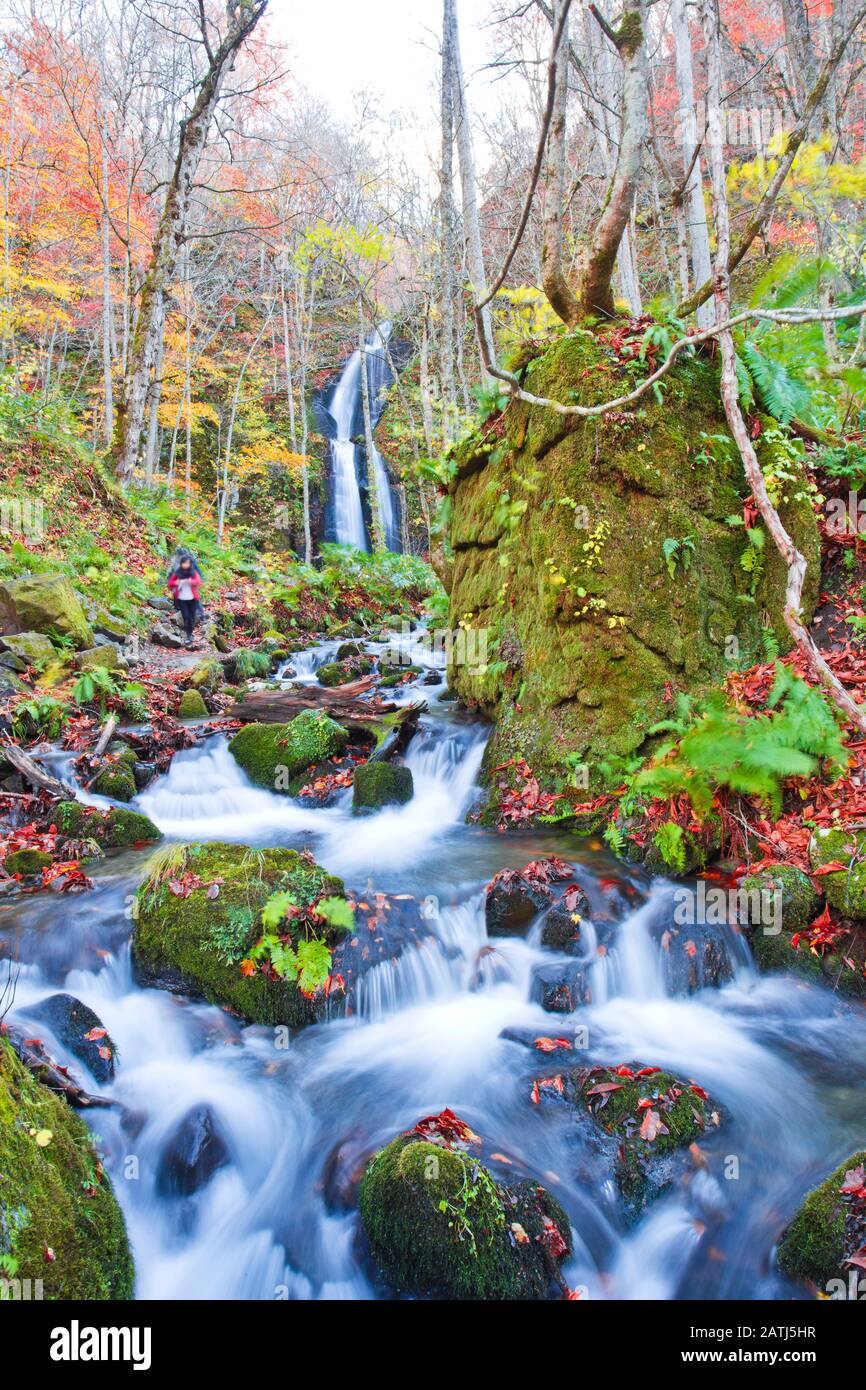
33,1056
23,763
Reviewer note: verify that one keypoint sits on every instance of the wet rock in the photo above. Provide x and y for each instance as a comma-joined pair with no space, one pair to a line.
559,929
115,780
272,755
786,890
193,1154
349,649
379,784
432,678
515,896
333,673
647,1117
828,1230
59,1193
559,989
194,941
844,889
440,1225
695,957
44,603
80,1031
115,829
27,862
143,774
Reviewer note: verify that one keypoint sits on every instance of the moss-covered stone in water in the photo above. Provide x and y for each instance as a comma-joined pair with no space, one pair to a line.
114,829
54,1195
342,672
27,861
845,890
799,899
813,1246
195,944
440,1226
593,682
381,784
192,706
115,781
271,753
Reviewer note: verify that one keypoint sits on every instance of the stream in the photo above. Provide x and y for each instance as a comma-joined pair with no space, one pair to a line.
785,1060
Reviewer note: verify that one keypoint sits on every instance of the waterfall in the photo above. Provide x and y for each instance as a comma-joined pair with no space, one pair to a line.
345,409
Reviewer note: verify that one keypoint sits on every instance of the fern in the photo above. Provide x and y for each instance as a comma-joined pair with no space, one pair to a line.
749,754
781,393
668,840
615,838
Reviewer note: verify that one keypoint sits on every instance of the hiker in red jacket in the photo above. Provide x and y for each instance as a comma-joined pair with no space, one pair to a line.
185,584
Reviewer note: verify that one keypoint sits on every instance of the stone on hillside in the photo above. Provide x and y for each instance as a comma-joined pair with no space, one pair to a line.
108,657
207,675
378,784
166,637
44,603
31,648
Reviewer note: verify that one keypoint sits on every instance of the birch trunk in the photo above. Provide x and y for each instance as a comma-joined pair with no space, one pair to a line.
692,202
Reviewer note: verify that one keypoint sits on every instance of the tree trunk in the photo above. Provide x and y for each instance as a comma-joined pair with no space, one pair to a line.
692,199
191,144
595,294
446,235
106,298
471,218
553,278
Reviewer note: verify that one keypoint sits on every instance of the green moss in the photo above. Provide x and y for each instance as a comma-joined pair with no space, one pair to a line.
846,889
272,753
812,1247
195,943
56,1196
207,676
381,784
524,510
440,1226
342,672
114,829
192,706
115,781
800,899
46,603
27,861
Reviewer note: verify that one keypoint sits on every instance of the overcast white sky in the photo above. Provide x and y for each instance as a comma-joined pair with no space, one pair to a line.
390,46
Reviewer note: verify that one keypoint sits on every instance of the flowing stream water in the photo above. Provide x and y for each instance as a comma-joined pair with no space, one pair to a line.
786,1061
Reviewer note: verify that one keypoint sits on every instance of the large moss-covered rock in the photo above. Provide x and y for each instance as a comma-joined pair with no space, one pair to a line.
115,780
26,861
193,941
828,1228
115,829
378,784
558,527
844,889
107,658
32,648
54,1195
272,754
333,673
439,1225
192,706
44,603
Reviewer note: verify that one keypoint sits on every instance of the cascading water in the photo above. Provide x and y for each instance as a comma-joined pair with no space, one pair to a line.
345,409
438,1027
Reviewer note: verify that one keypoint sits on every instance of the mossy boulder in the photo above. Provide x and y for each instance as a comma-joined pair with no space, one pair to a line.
55,1196
333,673
794,909
207,676
845,890
440,1226
273,754
115,829
828,1228
27,861
45,603
348,649
193,942
192,706
650,1117
115,780
572,627
31,648
378,784
106,658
